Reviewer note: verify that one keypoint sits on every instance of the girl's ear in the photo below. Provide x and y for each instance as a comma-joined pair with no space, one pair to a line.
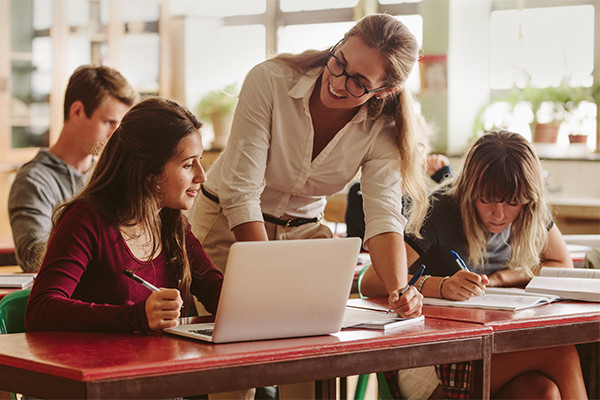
386,92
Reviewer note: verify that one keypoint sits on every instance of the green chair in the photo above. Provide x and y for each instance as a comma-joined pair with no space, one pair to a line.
12,315
382,383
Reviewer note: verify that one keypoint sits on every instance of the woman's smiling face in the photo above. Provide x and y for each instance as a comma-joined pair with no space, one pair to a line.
359,61
182,175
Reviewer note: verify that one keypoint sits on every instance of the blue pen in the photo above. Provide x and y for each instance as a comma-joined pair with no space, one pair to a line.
459,261
462,264
412,281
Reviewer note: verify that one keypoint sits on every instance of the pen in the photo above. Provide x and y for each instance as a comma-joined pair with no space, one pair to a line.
462,264
459,261
140,280
412,281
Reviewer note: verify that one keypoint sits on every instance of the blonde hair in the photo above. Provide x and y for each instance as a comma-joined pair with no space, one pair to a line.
503,167
392,39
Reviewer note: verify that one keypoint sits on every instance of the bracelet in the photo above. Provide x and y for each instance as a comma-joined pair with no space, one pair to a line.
421,282
441,283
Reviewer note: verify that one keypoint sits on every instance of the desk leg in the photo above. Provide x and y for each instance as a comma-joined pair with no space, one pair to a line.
325,389
482,374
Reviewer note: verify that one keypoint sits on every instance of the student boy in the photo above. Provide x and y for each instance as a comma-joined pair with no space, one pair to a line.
96,99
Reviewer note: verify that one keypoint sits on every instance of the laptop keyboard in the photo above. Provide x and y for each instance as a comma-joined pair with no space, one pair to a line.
207,331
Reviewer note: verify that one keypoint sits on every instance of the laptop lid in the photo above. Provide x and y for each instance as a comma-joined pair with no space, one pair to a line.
284,288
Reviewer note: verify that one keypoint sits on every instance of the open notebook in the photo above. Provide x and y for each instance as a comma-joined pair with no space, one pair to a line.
499,298
279,289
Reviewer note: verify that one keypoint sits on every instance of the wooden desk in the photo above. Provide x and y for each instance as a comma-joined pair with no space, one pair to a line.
555,324
9,269
7,250
110,365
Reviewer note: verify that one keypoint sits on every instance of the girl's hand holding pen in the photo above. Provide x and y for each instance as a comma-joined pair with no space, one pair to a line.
163,308
407,305
463,285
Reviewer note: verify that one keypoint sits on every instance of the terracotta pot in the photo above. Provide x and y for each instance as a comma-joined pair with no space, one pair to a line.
546,133
578,138
221,127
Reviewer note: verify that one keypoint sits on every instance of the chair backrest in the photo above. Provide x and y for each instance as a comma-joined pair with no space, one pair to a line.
12,311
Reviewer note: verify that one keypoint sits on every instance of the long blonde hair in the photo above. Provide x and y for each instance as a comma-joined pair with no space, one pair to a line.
392,39
503,167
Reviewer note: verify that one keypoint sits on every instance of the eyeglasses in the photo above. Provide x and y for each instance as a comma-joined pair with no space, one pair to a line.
353,85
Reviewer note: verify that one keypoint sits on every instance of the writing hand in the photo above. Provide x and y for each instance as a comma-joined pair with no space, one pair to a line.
409,305
162,309
463,285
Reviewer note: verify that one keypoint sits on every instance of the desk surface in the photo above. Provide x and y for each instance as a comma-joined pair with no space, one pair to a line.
81,364
555,324
562,311
7,250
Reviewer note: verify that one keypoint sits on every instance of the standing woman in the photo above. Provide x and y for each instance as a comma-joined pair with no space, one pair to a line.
495,216
129,218
304,126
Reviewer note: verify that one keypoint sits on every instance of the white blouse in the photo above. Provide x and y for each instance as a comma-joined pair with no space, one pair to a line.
266,165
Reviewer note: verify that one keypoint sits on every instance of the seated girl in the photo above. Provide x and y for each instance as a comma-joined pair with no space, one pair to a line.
129,218
495,216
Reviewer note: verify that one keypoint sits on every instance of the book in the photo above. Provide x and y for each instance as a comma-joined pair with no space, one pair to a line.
568,283
18,281
360,318
498,298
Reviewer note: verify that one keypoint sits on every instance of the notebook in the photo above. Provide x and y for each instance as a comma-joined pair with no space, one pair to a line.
498,298
281,289
19,281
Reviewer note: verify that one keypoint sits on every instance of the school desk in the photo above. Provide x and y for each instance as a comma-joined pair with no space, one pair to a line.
111,365
7,250
9,269
555,324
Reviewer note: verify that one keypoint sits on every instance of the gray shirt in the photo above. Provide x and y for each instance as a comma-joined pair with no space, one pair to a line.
40,185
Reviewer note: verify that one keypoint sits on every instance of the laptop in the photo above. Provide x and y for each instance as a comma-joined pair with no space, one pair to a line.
281,289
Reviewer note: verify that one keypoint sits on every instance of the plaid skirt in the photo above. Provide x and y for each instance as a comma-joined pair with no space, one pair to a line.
456,379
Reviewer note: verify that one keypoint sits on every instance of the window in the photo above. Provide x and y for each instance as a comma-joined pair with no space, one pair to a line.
542,48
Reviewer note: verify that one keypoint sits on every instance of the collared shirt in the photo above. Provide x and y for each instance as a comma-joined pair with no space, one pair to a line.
267,165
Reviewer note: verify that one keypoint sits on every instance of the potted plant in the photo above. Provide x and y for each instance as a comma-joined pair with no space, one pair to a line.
217,107
550,106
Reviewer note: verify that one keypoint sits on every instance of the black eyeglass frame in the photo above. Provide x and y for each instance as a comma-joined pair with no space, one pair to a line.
348,76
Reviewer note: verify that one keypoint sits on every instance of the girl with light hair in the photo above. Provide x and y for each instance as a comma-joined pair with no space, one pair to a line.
495,217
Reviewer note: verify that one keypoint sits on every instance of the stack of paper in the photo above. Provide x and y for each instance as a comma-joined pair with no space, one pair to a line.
18,281
362,314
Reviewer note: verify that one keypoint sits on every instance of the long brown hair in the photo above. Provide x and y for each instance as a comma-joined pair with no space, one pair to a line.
502,167
392,39
124,185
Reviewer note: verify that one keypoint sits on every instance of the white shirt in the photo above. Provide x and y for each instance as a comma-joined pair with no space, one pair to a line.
267,168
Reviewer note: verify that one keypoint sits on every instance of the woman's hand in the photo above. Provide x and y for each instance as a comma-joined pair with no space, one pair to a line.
162,309
408,305
435,162
463,285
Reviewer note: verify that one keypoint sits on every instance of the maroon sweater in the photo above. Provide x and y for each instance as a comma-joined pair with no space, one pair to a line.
81,285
